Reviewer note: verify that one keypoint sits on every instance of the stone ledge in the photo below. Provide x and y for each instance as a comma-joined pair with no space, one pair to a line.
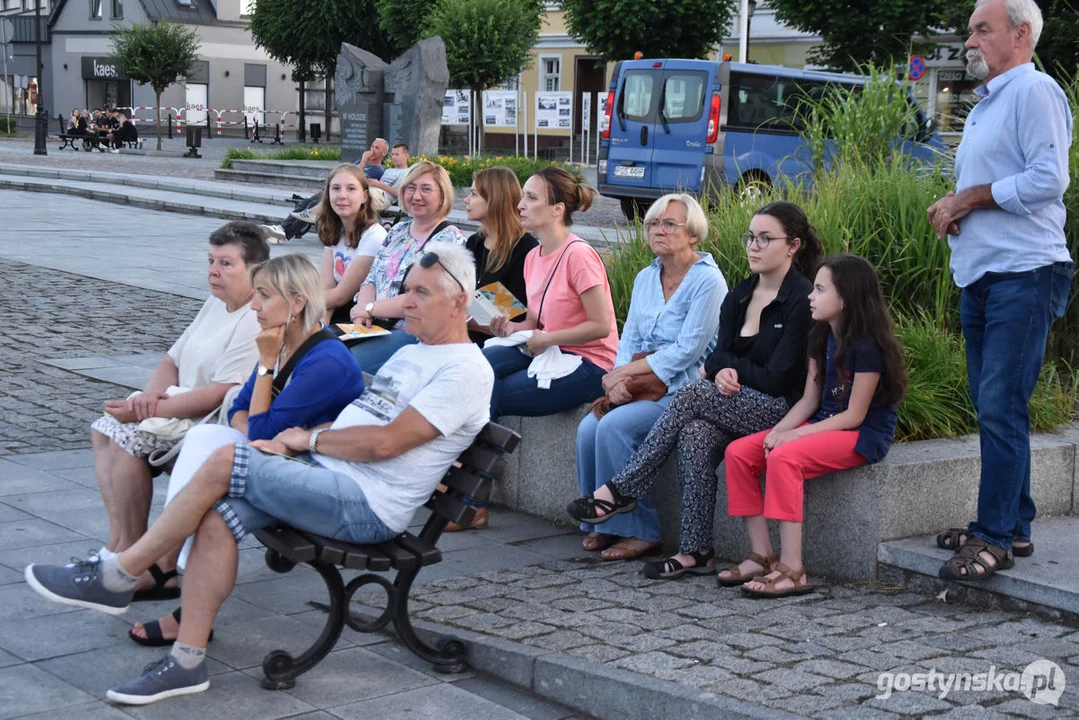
920,488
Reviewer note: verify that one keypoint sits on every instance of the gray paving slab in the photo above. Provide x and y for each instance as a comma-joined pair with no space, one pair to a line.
231,695
24,533
59,460
100,710
62,634
442,701
95,671
26,689
16,479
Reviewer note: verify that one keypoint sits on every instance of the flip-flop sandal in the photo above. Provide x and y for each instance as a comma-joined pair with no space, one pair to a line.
595,542
670,569
736,578
785,573
584,509
954,538
154,636
629,549
968,558
158,591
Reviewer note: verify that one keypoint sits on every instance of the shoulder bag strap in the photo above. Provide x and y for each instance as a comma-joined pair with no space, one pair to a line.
283,374
543,298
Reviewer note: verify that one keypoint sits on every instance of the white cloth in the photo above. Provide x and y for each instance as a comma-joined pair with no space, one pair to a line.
512,340
217,347
450,386
199,443
552,364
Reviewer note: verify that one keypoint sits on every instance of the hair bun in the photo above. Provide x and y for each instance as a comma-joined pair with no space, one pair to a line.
586,195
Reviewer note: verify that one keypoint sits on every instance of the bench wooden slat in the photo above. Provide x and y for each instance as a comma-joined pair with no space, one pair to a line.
452,509
468,483
428,554
359,557
401,557
288,543
481,458
499,436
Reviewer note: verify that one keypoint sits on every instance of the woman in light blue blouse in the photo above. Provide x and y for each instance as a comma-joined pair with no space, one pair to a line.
673,316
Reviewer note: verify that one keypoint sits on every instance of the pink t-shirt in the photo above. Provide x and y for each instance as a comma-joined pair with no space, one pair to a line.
581,269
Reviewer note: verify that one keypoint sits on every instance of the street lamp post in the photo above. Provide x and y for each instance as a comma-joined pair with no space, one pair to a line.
745,13
40,126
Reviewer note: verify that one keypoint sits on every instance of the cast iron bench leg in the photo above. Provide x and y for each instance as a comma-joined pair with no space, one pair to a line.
448,656
279,666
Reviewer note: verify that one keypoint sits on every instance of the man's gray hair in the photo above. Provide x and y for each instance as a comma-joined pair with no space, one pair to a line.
458,261
381,140
1021,11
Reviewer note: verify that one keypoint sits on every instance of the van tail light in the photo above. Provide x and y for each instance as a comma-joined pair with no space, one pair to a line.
605,122
713,120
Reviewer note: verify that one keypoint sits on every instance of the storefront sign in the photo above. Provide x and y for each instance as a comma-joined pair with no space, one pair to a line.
101,68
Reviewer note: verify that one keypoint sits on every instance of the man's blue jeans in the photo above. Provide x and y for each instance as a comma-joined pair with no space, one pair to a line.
1006,319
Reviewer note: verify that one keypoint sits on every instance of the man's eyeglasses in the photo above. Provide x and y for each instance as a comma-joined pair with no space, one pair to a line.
431,258
667,224
763,240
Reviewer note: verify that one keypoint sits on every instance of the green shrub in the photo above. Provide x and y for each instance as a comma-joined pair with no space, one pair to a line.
8,125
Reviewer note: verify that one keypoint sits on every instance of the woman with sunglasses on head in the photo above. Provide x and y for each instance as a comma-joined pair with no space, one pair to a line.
501,245
749,382
427,195
569,305
668,333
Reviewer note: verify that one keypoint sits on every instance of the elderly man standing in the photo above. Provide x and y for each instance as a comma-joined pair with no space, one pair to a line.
1005,225
359,480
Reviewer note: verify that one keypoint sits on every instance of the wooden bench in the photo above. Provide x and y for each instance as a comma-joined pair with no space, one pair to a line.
77,141
471,478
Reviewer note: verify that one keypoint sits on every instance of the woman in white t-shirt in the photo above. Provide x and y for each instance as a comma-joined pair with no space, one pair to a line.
215,353
348,227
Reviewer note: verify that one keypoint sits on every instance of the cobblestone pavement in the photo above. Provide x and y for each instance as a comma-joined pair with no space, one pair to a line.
53,315
820,655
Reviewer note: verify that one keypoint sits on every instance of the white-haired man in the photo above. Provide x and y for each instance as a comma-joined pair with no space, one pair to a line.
359,480
1005,225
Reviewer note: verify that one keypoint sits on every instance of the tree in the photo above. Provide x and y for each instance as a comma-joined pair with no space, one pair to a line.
615,29
157,53
307,36
487,41
403,20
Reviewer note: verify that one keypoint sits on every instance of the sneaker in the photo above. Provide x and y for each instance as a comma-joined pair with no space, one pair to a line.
309,216
79,584
114,151
275,234
162,679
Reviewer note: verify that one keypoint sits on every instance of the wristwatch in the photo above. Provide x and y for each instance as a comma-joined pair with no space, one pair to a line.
263,370
369,308
313,440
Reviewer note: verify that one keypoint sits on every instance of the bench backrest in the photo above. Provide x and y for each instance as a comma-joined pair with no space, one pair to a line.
470,478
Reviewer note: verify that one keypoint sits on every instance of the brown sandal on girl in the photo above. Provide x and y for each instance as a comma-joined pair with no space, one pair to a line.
785,573
736,578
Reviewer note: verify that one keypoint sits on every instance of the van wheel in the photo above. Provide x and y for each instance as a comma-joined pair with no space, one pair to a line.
634,208
753,188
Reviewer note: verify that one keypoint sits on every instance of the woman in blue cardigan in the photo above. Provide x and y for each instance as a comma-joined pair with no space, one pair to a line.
305,377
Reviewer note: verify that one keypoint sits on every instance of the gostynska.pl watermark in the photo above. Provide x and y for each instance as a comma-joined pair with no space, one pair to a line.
1042,682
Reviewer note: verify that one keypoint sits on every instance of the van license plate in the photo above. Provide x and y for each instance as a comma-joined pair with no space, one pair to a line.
629,171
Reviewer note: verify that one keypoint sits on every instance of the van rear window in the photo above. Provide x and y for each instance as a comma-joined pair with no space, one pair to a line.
683,96
637,95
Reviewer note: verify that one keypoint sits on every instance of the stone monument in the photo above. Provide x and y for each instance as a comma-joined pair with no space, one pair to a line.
400,101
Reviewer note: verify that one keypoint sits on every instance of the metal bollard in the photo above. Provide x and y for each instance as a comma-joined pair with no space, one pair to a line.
170,126
209,128
247,131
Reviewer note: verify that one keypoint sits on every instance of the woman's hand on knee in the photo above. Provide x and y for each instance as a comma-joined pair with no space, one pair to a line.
727,381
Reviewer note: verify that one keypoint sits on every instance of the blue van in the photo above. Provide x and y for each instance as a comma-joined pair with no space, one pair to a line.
687,125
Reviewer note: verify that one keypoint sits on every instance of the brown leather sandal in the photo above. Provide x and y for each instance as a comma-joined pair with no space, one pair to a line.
594,541
954,538
736,578
967,561
785,573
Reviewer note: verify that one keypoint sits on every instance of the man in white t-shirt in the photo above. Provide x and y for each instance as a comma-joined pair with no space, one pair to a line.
359,480
391,178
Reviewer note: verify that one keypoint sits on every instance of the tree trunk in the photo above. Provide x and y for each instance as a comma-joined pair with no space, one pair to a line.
157,104
329,105
301,132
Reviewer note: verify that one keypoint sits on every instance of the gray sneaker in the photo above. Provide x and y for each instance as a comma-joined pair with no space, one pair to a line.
79,584
162,679
310,215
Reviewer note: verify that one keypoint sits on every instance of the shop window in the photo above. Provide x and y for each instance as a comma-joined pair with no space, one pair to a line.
955,98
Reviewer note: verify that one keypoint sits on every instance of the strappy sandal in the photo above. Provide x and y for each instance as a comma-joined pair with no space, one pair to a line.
969,558
736,577
954,538
785,573
158,591
154,636
670,568
584,509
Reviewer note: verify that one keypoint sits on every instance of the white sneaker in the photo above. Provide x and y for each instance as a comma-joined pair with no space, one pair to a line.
275,234
310,215
114,151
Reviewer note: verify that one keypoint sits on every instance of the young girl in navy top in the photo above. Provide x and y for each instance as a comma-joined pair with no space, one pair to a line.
845,418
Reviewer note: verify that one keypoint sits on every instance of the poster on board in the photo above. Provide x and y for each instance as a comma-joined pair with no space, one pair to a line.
456,108
554,110
500,108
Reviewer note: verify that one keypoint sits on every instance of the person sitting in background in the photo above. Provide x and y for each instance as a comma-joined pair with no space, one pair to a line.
426,194
569,305
124,131
371,161
78,123
391,177
348,228
212,355
304,378
752,378
669,331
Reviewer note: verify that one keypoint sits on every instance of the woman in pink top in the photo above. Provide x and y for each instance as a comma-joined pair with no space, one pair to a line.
569,305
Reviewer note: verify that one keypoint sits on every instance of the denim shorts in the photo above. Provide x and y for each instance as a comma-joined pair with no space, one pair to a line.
264,489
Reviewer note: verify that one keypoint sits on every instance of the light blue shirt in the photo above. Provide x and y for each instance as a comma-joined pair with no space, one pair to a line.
681,331
1016,139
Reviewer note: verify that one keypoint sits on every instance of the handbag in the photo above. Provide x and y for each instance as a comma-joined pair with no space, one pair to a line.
641,387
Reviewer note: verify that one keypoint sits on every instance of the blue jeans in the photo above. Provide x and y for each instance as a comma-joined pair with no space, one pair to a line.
603,447
372,354
515,393
300,492
1006,319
